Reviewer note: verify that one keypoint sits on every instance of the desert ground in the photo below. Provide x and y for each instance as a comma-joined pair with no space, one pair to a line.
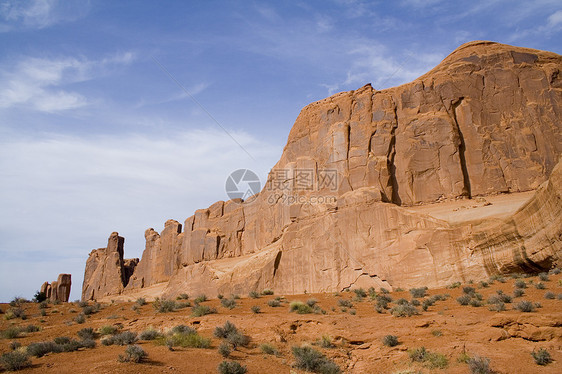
346,327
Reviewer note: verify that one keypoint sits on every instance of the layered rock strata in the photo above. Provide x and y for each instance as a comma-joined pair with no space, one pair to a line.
334,211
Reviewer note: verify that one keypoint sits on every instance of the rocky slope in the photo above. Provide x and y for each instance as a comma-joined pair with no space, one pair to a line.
335,210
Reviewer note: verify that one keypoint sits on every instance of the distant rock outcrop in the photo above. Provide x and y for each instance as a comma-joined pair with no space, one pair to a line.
59,290
339,208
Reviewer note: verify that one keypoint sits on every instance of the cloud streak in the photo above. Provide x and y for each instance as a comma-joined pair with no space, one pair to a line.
39,14
39,83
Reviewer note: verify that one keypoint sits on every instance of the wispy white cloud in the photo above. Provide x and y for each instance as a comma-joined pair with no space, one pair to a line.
552,25
38,14
39,83
88,187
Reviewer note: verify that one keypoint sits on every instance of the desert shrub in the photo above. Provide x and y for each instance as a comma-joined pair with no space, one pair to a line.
133,353
182,329
267,292
345,303
228,303
86,333
311,302
430,359
11,333
307,358
88,343
525,306
125,338
200,299
40,349
549,295
544,277
538,305
468,290
497,307
39,297
390,340
325,342
518,292
80,319
183,296
484,284
274,303
360,293
542,357
415,302
256,309
187,340
384,290
500,297
88,309
540,286
107,330
202,310
164,306
475,303
268,349
14,345
454,285
82,304
107,341
520,284
555,271
402,301
141,301
418,292
232,335
479,365
16,312
404,310
13,361
559,297
225,349
300,307
464,299
254,294
62,340
437,333
149,334
235,296
43,304
231,367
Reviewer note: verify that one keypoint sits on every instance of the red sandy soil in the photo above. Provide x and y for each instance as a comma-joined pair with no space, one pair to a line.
447,328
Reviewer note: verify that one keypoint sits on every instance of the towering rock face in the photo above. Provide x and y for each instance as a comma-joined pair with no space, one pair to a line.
341,207
59,290
106,270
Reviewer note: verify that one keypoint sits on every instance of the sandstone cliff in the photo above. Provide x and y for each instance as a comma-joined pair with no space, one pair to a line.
58,290
339,208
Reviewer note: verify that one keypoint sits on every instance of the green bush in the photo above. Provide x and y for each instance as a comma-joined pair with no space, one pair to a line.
231,367
11,333
390,340
62,340
360,293
468,290
454,285
300,307
256,309
225,349
550,295
107,330
39,297
183,296
540,286
86,333
186,340
230,333
125,338
202,310
544,277
267,292
520,284
80,319
307,358
326,342
40,349
268,349
404,310
228,303
149,334
464,299
274,303
479,365
525,306
14,345
418,292
164,306
133,353
429,359
13,361
254,294
518,292
345,303
200,299
141,301
542,357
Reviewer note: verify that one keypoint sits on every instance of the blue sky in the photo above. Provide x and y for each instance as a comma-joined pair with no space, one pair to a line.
95,137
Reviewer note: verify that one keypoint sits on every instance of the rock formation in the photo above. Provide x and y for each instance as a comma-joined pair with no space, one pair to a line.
341,207
58,290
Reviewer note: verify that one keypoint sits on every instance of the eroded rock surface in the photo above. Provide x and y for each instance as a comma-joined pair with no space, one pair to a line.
58,290
485,121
